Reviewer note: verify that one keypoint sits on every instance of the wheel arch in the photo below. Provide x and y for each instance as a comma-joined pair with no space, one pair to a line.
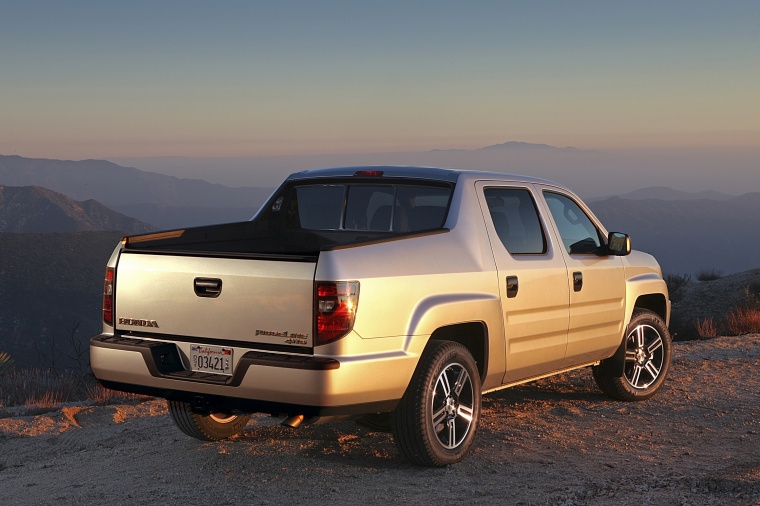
647,291
655,302
471,335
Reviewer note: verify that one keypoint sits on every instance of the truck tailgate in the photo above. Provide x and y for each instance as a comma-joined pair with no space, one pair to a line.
235,299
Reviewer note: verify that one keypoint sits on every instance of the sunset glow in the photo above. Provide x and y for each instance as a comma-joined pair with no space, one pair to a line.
90,80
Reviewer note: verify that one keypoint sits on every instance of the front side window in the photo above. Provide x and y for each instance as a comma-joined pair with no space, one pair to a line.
579,234
365,207
515,219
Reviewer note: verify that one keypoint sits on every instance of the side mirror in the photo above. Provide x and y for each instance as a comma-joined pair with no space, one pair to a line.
618,244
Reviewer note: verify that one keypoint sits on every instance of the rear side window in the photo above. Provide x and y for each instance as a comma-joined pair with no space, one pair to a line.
318,207
364,207
515,218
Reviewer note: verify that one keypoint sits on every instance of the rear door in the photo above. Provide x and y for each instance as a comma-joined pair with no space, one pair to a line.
532,281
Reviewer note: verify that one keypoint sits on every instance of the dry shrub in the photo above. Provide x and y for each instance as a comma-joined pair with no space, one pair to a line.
706,327
101,396
746,318
709,274
743,320
42,388
47,402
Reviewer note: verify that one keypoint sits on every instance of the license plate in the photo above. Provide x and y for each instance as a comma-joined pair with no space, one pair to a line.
213,359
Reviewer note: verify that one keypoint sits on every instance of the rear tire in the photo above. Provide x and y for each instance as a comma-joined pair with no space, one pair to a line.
206,427
648,352
435,422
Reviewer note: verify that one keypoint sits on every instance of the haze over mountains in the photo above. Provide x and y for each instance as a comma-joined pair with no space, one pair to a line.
590,173
559,164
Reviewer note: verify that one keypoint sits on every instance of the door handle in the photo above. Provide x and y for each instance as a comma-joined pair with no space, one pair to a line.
577,281
207,287
512,287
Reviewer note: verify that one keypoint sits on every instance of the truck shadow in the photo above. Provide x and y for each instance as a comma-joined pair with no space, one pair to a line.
505,416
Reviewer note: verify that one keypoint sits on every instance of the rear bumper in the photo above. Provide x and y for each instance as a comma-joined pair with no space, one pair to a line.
262,382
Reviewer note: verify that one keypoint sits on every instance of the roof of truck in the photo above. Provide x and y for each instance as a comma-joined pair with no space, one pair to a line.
394,171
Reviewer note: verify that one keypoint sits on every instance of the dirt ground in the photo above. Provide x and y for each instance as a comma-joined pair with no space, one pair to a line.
557,441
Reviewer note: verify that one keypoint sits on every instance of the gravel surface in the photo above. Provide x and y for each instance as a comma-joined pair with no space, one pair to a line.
556,441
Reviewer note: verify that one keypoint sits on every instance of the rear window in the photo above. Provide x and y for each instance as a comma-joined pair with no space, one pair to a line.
400,208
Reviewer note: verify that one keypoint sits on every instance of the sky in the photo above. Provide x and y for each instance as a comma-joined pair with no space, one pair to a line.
94,79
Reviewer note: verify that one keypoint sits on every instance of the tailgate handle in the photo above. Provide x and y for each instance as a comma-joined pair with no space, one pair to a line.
207,287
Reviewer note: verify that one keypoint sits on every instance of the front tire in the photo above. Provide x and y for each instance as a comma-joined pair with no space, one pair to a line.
435,422
206,427
648,351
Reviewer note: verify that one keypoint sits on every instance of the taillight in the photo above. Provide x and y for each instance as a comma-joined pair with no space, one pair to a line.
335,309
108,296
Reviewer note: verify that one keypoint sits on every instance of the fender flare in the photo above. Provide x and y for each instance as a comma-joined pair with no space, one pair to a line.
437,311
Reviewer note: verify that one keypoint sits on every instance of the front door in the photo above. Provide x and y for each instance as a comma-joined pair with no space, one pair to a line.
597,296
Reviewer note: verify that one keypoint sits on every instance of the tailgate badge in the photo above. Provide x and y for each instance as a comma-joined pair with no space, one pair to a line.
134,322
290,337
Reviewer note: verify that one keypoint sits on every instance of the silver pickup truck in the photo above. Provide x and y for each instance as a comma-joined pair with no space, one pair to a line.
394,296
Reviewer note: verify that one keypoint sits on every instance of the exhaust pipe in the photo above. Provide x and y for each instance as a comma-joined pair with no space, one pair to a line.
293,421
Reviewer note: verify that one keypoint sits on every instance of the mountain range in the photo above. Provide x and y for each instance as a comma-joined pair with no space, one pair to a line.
37,209
154,198
691,234
666,193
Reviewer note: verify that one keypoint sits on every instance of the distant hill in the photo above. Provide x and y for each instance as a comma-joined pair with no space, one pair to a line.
579,168
51,287
148,196
527,145
665,193
689,235
36,209
515,146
